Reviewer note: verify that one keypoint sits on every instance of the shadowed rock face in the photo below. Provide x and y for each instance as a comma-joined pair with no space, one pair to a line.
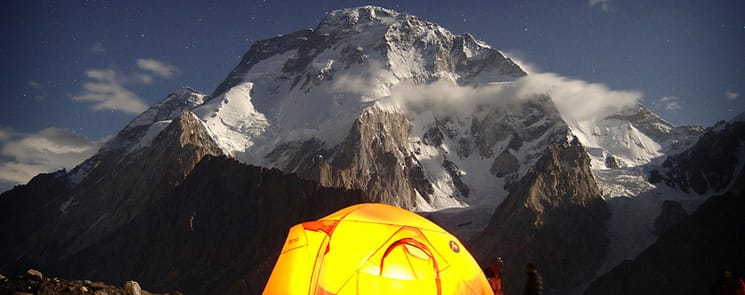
708,166
672,213
154,214
689,256
119,187
555,218
220,232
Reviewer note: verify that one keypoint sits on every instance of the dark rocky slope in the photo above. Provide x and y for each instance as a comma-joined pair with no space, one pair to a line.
34,282
708,166
689,256
555,217
219,232
51,217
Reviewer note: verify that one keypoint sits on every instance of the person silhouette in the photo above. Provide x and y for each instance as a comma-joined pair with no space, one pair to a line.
534,283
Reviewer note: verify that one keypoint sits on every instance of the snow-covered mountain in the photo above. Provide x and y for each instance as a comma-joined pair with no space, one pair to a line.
334,105
411,114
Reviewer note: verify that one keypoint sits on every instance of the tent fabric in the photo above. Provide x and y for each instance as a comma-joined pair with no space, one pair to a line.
374,249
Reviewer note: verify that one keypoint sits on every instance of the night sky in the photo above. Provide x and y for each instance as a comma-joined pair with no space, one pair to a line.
75,72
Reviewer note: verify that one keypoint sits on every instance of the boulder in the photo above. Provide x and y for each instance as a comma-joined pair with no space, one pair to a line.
132,288
34,275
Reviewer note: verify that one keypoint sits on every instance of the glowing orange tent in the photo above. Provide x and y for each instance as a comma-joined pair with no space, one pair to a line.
374,249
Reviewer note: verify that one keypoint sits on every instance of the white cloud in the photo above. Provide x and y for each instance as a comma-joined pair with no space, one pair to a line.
670,103
576,100
158,68
731,95
604,5
107,89
26,155
97,48
107,92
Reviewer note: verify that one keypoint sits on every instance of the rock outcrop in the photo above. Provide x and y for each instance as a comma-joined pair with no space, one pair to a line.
33,282
555,218
374,157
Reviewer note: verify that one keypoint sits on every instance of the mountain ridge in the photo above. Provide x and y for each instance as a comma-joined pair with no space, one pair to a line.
384,103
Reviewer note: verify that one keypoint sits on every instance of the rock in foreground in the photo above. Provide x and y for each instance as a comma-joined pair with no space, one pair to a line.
33,282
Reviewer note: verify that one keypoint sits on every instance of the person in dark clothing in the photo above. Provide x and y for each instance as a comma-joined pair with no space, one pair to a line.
534,284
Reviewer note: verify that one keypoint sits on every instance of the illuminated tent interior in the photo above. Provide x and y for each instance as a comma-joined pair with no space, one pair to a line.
374,249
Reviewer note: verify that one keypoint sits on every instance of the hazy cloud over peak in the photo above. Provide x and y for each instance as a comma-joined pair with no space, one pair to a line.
107,89
670,103
158,68
576,100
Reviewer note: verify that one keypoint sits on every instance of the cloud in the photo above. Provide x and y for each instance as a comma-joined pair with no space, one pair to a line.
33,84
26,155
5,133
576,100
158,68
36,91
604,5
106,89
97,48
670,103
731,95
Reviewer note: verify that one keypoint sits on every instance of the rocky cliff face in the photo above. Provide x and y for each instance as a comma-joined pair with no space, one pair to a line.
374,157
711,164
555,218
219,232
690,256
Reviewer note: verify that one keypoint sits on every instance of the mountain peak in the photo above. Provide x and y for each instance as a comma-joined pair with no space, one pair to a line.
355,14
357,17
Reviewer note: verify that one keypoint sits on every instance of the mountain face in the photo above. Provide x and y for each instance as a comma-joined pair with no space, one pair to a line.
623,146
118,184
365,102
325,103
711,164
219,232
689,257
555,218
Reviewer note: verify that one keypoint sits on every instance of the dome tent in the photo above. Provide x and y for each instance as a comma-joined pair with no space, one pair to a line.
374,249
